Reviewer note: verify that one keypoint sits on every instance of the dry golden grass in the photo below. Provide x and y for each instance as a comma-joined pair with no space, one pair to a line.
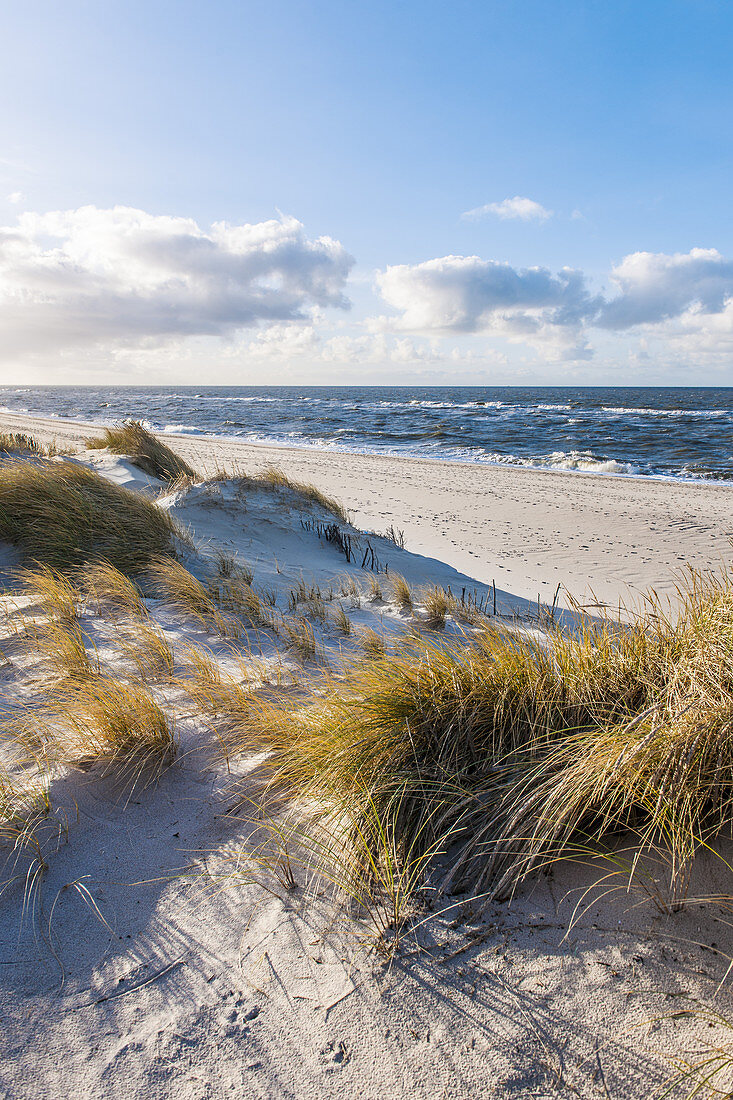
515,749
145,646
374,588
112,725
145,450
401,592
229,566
341,620
300,637
171,582
62,648
301,492
237,597
372,643
64,515
24,799
437,603
111,591
212,690
59,598
18,443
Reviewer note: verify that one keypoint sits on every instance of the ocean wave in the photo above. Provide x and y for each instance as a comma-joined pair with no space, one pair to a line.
584,461
182,429
703,413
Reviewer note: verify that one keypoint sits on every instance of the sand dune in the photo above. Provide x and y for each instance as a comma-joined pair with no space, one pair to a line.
149,964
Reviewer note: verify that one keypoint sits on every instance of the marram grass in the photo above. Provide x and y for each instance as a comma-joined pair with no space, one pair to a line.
511,750
303,493
145,450
64,515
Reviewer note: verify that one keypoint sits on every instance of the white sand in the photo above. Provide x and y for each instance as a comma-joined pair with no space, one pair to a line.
198,983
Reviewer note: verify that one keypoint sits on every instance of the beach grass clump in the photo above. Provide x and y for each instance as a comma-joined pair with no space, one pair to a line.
59,598
236,596
437,603
116,726
303,492
178,589
372,644
212,690
113,593
61,647
19,443
342,620
401,592
144,644
145,450
374,589
63,515
300,637
24,804
515,749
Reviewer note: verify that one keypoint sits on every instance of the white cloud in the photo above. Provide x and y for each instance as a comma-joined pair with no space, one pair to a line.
656,286
468,294
16,197
122,276
680,296
525,209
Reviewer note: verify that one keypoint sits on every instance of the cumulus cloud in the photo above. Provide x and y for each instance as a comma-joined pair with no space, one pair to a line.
655,286
468,294
465,294
525,209
16,197
93,276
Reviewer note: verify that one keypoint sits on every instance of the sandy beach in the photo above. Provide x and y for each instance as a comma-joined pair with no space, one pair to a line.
148,952
599,536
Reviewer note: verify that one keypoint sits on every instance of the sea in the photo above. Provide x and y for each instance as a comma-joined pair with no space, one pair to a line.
680,433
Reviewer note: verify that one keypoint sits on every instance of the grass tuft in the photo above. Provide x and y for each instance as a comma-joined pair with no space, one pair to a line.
111,591
372,643
63,515
303,492
116,726
145,450
59,598
19,443
516,749
437,603
172,583
401,592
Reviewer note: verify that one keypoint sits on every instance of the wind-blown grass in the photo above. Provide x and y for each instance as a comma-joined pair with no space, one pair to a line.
116,726
63,515
19,443
111,591
145,450
172,583
513,749
58,596
302,492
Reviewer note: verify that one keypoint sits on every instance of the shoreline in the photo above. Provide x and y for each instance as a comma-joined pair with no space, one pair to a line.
193,433
604,537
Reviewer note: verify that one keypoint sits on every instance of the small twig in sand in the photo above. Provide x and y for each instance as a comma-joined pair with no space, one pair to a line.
337,1001
134,988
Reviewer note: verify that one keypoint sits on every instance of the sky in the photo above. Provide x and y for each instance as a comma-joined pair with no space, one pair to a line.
366,193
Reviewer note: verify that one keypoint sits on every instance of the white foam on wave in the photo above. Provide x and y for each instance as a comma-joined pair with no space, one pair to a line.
180,429
620,411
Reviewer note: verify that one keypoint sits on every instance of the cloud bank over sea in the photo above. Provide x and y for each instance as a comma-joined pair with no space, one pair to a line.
144,289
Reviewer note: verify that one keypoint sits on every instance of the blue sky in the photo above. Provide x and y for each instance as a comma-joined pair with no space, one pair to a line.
591,141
